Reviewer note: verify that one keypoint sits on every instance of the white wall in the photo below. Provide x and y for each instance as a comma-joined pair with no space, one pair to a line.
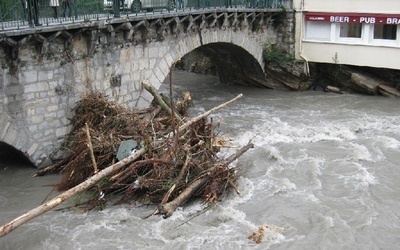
360,55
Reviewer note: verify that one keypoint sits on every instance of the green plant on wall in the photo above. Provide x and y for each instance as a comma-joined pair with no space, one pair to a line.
335,72
274,55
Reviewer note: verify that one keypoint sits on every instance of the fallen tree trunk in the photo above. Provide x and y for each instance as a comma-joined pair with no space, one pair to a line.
10,226
169,208
160,100
198,118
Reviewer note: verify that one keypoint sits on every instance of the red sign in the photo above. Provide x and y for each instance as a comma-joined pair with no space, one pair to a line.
353,18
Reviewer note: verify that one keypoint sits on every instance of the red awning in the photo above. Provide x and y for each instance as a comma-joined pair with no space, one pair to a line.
352,18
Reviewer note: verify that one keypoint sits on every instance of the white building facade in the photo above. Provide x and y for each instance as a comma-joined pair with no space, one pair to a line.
353,32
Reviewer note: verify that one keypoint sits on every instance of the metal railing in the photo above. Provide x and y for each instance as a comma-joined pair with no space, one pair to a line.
17,14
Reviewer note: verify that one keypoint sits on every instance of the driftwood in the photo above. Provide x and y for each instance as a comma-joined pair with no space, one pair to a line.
160,100
170,207
89,139
198,118
91,181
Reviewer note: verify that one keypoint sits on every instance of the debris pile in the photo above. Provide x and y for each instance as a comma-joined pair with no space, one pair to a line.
175,159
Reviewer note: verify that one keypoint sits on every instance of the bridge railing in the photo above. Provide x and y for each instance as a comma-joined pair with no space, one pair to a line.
17,14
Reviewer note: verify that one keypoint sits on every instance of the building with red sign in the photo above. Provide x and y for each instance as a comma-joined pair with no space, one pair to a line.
353,32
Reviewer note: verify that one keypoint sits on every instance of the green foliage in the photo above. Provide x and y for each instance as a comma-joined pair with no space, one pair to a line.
335,73
10,9
272,55
8,2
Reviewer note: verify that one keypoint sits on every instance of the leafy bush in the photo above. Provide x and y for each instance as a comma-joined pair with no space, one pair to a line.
272,55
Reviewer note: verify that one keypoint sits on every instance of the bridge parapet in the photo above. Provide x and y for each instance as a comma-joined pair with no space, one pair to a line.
45,71
31,13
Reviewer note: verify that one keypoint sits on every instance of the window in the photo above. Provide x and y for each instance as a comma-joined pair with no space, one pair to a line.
318,31
385,31
353,28
350,30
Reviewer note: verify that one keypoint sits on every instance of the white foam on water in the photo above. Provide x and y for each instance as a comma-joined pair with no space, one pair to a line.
359,152
222,227
388,142
246,188
307,195
274,153
275,131
360,178
281,185
218,228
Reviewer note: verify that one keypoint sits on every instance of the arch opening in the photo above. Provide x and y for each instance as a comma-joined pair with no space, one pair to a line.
231,63
12,157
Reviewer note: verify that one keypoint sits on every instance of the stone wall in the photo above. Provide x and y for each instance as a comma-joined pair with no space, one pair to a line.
38,99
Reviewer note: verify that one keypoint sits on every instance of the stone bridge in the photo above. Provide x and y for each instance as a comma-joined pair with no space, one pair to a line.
46,70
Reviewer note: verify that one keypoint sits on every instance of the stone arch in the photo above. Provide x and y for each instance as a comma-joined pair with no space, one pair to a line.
11,132
234,64
10,157
16,138
244,49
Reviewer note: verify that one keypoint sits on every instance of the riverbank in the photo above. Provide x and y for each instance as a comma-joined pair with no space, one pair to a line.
352,79
284,73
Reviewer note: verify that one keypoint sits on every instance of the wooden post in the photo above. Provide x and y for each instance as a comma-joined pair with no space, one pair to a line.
89,139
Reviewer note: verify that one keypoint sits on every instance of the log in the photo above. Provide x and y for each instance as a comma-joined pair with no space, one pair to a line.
10,226
89,140
169,208
333,89
178,179
160,100
198,118
364,83
52,168
388,91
